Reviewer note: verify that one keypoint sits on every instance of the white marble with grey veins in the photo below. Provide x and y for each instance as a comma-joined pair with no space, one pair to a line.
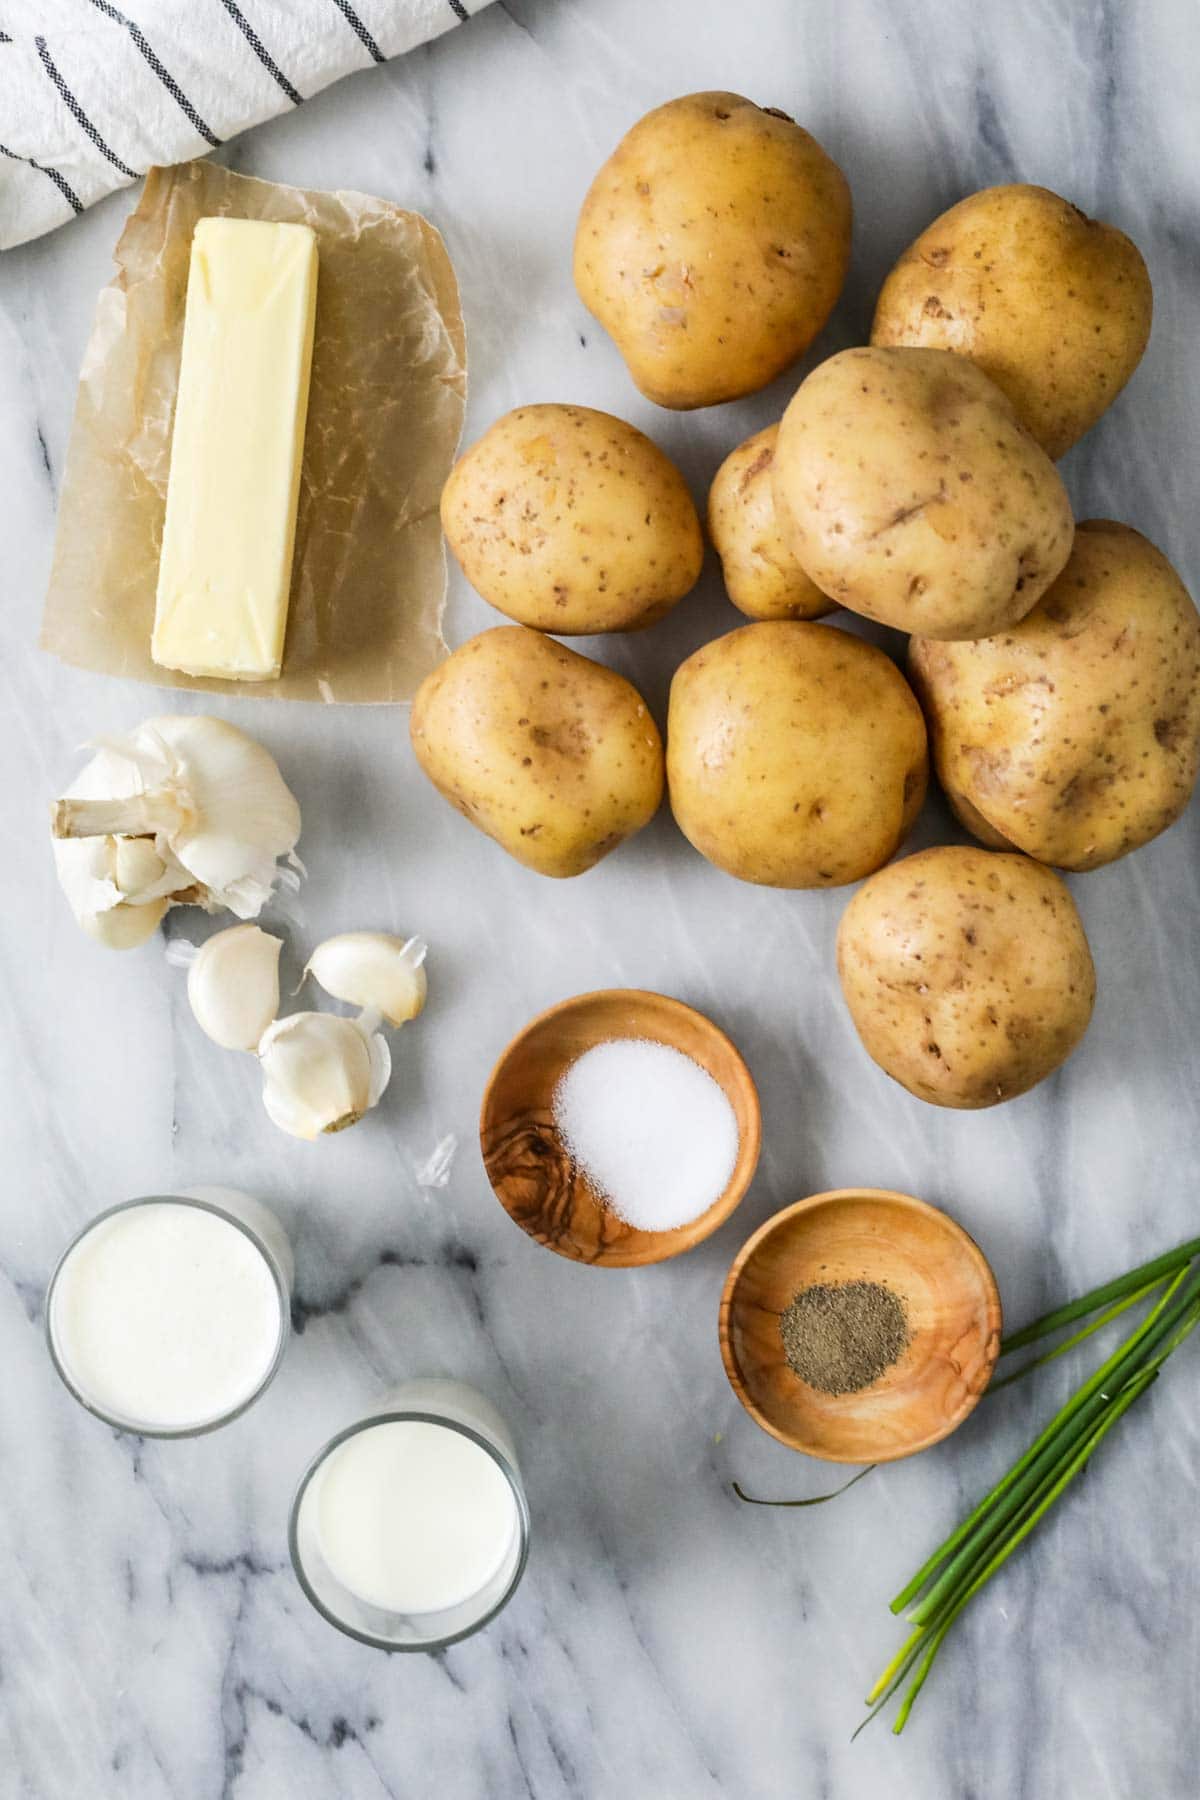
668,1643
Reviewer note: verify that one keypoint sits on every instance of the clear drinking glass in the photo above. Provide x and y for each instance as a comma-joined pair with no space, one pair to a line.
457,1408
256,1223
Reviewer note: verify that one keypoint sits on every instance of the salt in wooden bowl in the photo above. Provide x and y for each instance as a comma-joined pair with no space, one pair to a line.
531,1171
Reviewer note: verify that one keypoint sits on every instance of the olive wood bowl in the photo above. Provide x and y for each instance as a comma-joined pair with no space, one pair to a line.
532,1173
869,1234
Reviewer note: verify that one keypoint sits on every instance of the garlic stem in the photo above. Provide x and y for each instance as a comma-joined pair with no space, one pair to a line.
131,816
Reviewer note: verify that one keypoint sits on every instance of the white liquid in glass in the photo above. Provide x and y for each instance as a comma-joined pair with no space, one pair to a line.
413,1517
166,1316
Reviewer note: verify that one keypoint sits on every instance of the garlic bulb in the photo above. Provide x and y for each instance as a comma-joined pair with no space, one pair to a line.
370,969
233,986
185,811
321,1072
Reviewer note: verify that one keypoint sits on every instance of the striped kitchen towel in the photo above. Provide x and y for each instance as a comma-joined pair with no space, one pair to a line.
94,92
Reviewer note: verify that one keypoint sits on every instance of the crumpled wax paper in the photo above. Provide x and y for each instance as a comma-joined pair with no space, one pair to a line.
384,419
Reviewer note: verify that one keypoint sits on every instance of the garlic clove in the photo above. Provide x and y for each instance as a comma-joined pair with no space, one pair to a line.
321,1072
136,864
373,970
124,926
233,986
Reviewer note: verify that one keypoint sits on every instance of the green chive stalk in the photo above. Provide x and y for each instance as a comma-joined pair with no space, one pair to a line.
1149,1272
1066,1428
1077,1337
985,1540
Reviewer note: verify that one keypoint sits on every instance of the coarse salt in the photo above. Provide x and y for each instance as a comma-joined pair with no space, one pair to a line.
652,1131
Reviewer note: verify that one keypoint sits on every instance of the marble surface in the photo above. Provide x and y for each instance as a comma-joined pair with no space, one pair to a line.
667,1643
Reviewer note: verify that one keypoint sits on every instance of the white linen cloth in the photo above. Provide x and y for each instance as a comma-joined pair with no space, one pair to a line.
94,92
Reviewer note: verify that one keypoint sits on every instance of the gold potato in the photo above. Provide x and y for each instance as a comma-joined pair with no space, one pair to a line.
796,754
1074,735
1054,306
550,754
712,246
967,974
572,521
762,577
915,496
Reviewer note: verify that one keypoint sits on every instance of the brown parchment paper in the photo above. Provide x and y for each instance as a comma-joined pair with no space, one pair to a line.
384,418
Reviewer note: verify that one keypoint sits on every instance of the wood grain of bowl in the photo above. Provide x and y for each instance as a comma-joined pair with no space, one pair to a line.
857,1234
532,1173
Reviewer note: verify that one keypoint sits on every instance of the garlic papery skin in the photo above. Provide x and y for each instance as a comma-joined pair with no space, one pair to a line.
373,970
233,986
205,799
321,1072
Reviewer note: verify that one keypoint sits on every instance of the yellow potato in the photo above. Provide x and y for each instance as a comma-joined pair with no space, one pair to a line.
1054,306
967,974
712,246
915,496
1075,735
795,754
571,521
550,754
762,577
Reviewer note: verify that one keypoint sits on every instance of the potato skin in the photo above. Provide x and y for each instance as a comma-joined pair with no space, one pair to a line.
967,974
554,756
762,577
915,496
1054,306
796,754
1075,735
712,246
572,521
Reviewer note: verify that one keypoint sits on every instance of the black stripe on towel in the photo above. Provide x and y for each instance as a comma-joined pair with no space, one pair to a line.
459,10
360,31
78,113
260,50
164,75
60,181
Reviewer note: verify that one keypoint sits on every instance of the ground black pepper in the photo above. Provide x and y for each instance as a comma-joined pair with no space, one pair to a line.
841,1338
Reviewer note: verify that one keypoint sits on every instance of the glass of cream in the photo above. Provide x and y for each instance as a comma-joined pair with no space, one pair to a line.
410,1528
169,1315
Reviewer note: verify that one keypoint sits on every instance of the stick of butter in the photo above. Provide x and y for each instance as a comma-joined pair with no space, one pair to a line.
229,532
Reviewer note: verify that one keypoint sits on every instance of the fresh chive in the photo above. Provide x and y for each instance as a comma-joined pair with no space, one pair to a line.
1107,1369
814,1500
1143,1275
1077,1420
1077,1337
1137,1387
1002,1521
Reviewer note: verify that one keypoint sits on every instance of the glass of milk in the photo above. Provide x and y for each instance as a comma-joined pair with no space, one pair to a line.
169,1315
410,1528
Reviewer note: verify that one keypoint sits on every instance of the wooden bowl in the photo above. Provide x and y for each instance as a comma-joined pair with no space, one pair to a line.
850,1235
532,1173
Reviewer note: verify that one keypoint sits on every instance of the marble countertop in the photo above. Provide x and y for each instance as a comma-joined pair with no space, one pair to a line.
668,1643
